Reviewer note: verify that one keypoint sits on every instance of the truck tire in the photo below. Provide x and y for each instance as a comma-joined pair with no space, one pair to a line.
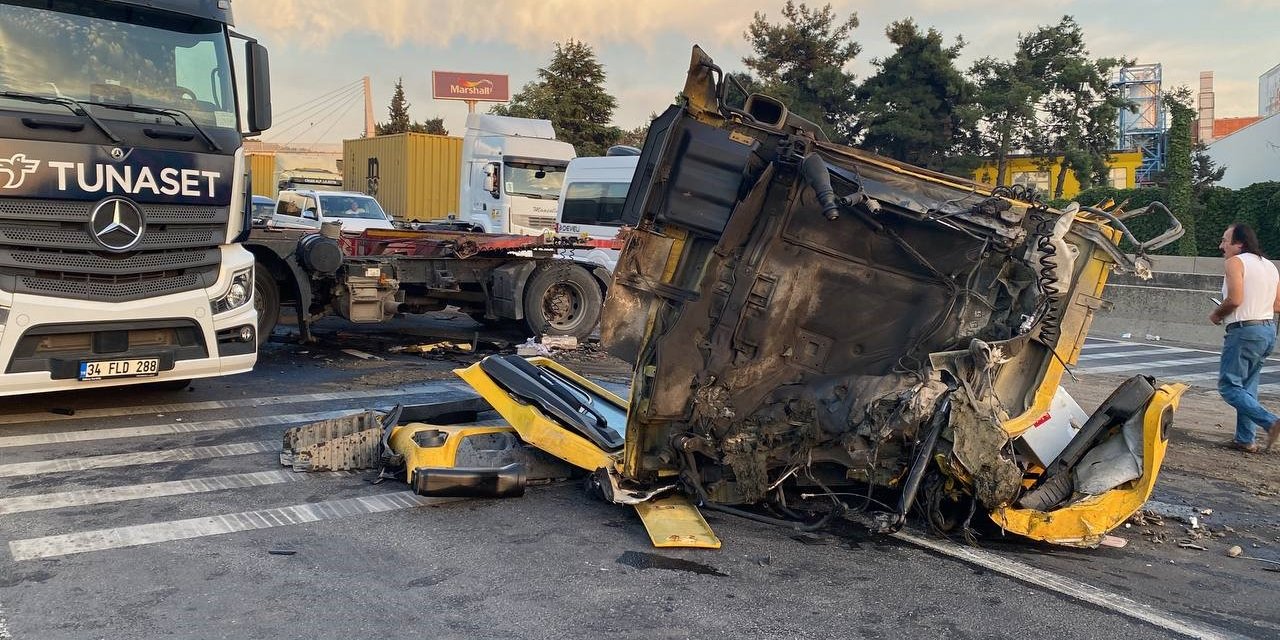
266,300
562,300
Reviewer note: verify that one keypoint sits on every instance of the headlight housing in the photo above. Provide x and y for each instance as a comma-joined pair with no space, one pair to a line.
237,295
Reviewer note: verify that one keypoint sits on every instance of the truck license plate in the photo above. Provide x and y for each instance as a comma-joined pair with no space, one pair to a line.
119,368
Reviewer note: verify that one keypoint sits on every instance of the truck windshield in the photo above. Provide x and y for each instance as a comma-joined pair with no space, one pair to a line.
114,55
337,206
534,180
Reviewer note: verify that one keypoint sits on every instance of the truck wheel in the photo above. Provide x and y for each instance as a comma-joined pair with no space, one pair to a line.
562,300
266,300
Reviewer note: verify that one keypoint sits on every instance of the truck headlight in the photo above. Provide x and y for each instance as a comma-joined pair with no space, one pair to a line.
237,295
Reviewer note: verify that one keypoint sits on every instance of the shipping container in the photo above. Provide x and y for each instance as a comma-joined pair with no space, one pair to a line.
268,168
262,169
414,176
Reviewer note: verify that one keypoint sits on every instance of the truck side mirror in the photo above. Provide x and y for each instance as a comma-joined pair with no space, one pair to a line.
310,214
492,179
259,85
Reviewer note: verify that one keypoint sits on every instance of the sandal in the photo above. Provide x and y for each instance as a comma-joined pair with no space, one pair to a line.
1251,447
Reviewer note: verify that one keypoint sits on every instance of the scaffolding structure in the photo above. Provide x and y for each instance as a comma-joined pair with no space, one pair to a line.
1143,130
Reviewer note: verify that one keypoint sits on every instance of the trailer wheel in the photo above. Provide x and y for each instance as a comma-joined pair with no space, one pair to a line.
266,301
562,300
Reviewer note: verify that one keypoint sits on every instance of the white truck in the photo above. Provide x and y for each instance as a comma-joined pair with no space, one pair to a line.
123,193
591,200
512,171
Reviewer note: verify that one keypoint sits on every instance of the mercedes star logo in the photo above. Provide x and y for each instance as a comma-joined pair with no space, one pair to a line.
116,224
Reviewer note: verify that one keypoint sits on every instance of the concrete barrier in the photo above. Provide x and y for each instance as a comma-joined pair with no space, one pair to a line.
1174,304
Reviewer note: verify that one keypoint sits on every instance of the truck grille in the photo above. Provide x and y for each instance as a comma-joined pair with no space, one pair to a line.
46,249
535,222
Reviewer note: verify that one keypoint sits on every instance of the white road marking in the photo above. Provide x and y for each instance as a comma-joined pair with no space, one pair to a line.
1072,588
152,533
131,459
168,428
114,412
102,495
1151,366
1091,357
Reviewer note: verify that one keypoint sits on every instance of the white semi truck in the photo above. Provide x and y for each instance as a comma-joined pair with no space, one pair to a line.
123,193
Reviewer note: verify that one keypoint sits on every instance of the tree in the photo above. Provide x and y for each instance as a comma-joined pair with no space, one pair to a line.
570,93
399,121
635,137
801,62
1006,98
1080,105
1205,173
1178,165
398,112
918,108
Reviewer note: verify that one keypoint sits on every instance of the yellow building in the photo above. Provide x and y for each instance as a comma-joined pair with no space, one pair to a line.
1029,169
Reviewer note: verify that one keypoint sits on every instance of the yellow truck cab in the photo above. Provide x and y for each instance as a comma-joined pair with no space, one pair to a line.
822,330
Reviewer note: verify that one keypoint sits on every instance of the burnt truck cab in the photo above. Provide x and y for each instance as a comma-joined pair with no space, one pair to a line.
817,328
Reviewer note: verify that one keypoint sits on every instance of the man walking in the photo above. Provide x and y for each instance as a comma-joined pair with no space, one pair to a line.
1250,298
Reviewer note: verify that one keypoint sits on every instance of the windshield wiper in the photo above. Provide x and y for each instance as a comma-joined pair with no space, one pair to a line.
75,106
165,111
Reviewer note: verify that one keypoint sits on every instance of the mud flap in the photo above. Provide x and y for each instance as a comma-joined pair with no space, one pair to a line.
1084,523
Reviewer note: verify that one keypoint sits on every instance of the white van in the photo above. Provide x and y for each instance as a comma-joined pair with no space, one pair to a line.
307,209
592,197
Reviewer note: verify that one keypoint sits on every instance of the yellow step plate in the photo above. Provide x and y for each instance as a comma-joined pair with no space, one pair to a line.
673,521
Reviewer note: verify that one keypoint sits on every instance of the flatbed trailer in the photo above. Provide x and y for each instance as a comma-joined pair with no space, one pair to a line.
539,282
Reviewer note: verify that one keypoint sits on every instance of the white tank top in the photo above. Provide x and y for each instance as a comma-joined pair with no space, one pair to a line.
1260,278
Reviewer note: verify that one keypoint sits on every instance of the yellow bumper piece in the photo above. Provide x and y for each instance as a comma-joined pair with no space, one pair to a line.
1084,523
673,521
536,428
405,442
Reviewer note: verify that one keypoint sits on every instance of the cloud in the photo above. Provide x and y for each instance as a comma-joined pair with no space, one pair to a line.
318,23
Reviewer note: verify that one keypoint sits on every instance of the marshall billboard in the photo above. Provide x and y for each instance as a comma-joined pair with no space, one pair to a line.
485,87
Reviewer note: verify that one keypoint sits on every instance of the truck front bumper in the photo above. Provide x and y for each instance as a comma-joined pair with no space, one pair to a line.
43,339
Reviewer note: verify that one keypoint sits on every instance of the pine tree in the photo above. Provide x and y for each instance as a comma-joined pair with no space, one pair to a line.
918,108
570,93
801,62
399,121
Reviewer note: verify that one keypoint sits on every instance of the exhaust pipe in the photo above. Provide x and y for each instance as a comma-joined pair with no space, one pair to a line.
461,482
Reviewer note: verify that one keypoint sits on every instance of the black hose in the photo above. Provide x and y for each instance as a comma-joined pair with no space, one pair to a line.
814,170
912,485
797,526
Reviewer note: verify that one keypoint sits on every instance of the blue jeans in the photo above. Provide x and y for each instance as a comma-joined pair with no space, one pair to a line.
1244,351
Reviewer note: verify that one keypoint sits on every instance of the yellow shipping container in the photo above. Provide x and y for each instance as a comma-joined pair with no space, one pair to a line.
414,176
262,171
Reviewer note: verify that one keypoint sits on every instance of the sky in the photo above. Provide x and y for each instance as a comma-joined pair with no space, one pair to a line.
318,47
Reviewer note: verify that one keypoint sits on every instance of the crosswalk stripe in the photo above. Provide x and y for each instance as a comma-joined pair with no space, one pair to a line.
167,429
1090,357
123,493
131,459
156,532
1150,365
114,412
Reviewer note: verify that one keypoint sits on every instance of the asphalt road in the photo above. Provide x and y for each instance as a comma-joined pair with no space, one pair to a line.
147,514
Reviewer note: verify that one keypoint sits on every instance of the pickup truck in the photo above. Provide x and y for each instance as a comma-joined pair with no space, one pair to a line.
308,209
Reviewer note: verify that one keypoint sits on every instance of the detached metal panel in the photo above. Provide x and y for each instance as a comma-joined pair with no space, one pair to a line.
415,176
262,170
